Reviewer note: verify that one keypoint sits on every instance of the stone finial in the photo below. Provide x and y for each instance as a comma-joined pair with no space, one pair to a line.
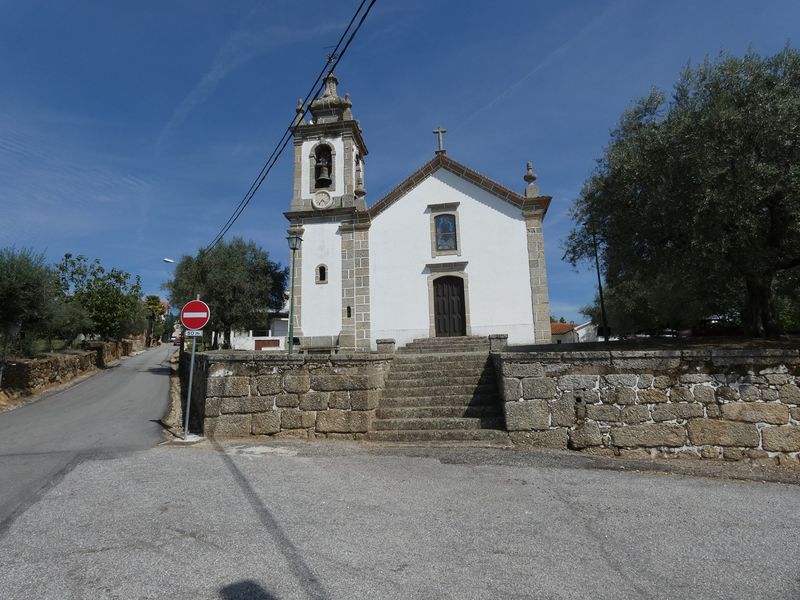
330,85
299,110
330,107
360,191
531,191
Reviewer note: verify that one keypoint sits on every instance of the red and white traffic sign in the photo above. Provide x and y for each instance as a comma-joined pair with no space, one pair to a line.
195,314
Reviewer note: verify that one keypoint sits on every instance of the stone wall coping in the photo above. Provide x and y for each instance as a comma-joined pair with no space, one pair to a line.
690,354
276,358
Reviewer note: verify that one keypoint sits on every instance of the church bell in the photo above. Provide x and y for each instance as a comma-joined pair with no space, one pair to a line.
323,176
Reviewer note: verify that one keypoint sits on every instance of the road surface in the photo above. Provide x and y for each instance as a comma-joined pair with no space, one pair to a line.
102,514
110,414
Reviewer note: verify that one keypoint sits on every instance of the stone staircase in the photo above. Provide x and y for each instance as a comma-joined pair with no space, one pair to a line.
447,344
437,391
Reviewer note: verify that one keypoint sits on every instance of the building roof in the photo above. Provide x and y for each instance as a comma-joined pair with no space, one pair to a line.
442,161
561,328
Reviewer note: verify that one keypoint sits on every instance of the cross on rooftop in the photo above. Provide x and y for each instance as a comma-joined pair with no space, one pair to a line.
440,132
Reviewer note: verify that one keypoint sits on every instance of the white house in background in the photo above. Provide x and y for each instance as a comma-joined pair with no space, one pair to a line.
448,252
573,333
270,337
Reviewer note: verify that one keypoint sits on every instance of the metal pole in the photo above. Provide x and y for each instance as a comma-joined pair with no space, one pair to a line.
189,395
291,308
603,317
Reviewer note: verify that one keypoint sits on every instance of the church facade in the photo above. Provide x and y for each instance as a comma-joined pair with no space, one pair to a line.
448,252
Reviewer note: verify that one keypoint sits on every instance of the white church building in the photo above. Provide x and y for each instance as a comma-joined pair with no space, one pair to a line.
448,252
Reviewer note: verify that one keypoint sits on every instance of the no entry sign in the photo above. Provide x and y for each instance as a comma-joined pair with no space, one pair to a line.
195,314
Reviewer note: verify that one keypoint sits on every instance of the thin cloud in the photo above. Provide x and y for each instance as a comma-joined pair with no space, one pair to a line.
54,186
241,46
545,62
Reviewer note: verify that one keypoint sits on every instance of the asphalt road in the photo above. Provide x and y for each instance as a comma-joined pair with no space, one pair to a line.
337,520
90,509
109,414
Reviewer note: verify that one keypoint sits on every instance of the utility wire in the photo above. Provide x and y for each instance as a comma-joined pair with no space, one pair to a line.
333,60
280,145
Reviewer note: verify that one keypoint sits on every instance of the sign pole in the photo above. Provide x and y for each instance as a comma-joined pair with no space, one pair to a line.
194,316
189,395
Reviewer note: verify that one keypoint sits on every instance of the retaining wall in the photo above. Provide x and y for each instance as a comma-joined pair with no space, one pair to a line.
249,393
733,404
28,375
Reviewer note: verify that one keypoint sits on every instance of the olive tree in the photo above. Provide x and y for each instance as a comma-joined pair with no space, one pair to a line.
694,207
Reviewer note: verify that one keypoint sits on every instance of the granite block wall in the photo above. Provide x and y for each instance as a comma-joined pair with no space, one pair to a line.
241,394
736,404
29,375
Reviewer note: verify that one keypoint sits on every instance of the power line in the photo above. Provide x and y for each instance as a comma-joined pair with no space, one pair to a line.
334,58
278,147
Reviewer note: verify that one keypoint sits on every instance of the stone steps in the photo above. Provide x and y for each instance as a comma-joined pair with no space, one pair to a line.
393,391
440,435
455,349
437,345
410,380
462,400
440,360
460,423
448,393
437,412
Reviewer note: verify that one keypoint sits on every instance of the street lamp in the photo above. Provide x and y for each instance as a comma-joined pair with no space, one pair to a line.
168,260
294,245
603,318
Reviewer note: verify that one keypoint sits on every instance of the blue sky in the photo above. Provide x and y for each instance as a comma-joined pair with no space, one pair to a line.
130,131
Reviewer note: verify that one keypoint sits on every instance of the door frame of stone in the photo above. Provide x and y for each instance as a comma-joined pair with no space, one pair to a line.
437,270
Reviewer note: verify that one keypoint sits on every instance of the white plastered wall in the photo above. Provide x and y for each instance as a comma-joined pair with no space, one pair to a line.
321,302
493,243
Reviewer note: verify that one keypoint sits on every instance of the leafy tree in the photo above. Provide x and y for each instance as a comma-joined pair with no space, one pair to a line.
155,322
27,288
695,206
110,298
65,318
236,279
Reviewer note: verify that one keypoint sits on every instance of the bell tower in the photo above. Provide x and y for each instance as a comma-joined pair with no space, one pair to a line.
329,211
328,154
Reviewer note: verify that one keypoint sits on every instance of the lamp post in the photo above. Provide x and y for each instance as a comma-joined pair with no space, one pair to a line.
294,245
603,318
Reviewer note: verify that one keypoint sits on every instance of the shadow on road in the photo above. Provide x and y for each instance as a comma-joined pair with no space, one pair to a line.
245,590
302,572
156,370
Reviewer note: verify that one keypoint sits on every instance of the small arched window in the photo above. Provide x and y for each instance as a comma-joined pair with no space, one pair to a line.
445,226
322,274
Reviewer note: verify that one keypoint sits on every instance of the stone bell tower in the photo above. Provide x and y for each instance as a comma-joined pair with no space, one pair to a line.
329,211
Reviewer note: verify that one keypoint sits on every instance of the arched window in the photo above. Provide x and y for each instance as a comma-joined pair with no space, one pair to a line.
323,167
445,226
322,274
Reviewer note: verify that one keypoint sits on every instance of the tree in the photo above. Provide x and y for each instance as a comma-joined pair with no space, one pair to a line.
695,206
236,279
27,288
112,299
155,321
65,318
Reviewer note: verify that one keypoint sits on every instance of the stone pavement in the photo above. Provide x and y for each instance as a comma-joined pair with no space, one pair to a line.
341,520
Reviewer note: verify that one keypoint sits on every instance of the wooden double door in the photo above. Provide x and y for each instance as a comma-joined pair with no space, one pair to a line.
449,306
